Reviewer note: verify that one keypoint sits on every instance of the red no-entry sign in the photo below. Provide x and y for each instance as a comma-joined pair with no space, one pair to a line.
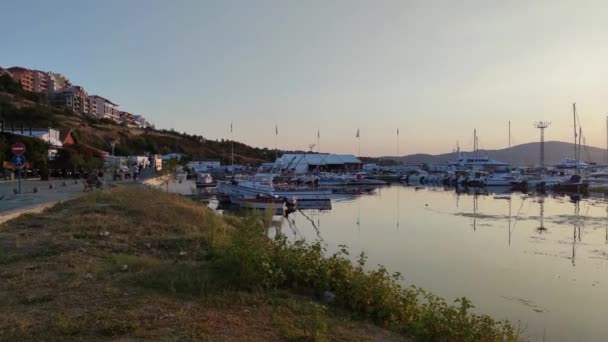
18,149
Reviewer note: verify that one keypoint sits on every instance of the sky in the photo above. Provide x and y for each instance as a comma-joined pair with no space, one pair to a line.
435,70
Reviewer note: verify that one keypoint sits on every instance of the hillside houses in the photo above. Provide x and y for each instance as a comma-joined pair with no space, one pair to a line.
62,93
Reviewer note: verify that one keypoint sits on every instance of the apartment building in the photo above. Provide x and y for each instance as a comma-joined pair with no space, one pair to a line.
23,76
105,108
75,98
38,81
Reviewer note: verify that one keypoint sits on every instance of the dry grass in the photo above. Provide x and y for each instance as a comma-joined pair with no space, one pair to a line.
131,263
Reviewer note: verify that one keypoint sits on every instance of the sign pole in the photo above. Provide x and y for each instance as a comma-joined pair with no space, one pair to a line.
19,180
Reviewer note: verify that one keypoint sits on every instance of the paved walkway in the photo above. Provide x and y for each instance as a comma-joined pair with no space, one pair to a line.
12,205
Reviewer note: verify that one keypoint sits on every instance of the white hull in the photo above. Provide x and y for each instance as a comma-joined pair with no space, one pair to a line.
301,195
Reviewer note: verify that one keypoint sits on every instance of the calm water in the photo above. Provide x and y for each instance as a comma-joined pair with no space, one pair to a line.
552,276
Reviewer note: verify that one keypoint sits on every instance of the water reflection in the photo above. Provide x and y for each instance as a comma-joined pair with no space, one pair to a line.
455,246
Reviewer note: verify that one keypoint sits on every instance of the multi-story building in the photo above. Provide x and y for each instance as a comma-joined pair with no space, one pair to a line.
57,82
141,122
127,118
92,106
39,81
23,76
75,98
105,109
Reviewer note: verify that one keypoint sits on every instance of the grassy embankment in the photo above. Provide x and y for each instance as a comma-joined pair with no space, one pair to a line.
132,262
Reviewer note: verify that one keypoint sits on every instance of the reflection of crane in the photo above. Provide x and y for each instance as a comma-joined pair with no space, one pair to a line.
475,208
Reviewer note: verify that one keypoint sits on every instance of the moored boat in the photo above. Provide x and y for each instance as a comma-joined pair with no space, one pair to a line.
575,184
264,202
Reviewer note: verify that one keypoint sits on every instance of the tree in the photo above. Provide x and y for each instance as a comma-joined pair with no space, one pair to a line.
169,173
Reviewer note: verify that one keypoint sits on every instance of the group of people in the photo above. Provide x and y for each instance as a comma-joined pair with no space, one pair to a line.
133,172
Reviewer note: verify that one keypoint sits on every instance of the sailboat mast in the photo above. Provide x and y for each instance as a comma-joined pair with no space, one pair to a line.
510,152
575,136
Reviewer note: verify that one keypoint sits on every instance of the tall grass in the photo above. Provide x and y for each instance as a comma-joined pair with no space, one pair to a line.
252,261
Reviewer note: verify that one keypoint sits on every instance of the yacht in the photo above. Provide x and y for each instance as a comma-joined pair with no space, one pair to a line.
477,162
570,163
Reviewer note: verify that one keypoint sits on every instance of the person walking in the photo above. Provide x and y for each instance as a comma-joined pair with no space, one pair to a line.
135,172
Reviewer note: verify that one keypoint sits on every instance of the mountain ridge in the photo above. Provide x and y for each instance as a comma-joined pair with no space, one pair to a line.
524,154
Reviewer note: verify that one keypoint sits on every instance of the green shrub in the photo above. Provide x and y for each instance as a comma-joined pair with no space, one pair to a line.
252,261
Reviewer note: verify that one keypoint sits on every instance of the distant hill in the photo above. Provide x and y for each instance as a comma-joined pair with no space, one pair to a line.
524,154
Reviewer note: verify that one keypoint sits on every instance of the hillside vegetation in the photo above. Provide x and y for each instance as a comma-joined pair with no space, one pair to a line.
22,109
133,263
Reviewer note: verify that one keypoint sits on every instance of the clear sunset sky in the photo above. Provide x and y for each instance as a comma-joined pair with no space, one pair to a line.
433,69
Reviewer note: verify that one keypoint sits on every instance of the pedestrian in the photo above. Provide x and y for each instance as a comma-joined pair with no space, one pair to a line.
135,172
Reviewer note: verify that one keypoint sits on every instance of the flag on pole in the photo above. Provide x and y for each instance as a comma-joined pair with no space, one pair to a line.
397,131
276,129
230,127
318,133
357,136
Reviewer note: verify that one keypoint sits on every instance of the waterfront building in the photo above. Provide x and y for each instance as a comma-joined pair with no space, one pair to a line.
311,162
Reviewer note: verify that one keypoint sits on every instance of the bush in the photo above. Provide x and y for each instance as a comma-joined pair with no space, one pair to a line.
252,261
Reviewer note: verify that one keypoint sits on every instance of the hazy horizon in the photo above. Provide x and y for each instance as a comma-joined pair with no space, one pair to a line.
434,70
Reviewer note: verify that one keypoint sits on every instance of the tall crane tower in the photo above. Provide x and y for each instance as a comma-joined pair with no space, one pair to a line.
542,125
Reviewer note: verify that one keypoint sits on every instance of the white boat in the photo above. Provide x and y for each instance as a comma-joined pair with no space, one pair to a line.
542,181
263,202
571,163
415,177
363,179
598,179
262,185
503,179
477,162
349,180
